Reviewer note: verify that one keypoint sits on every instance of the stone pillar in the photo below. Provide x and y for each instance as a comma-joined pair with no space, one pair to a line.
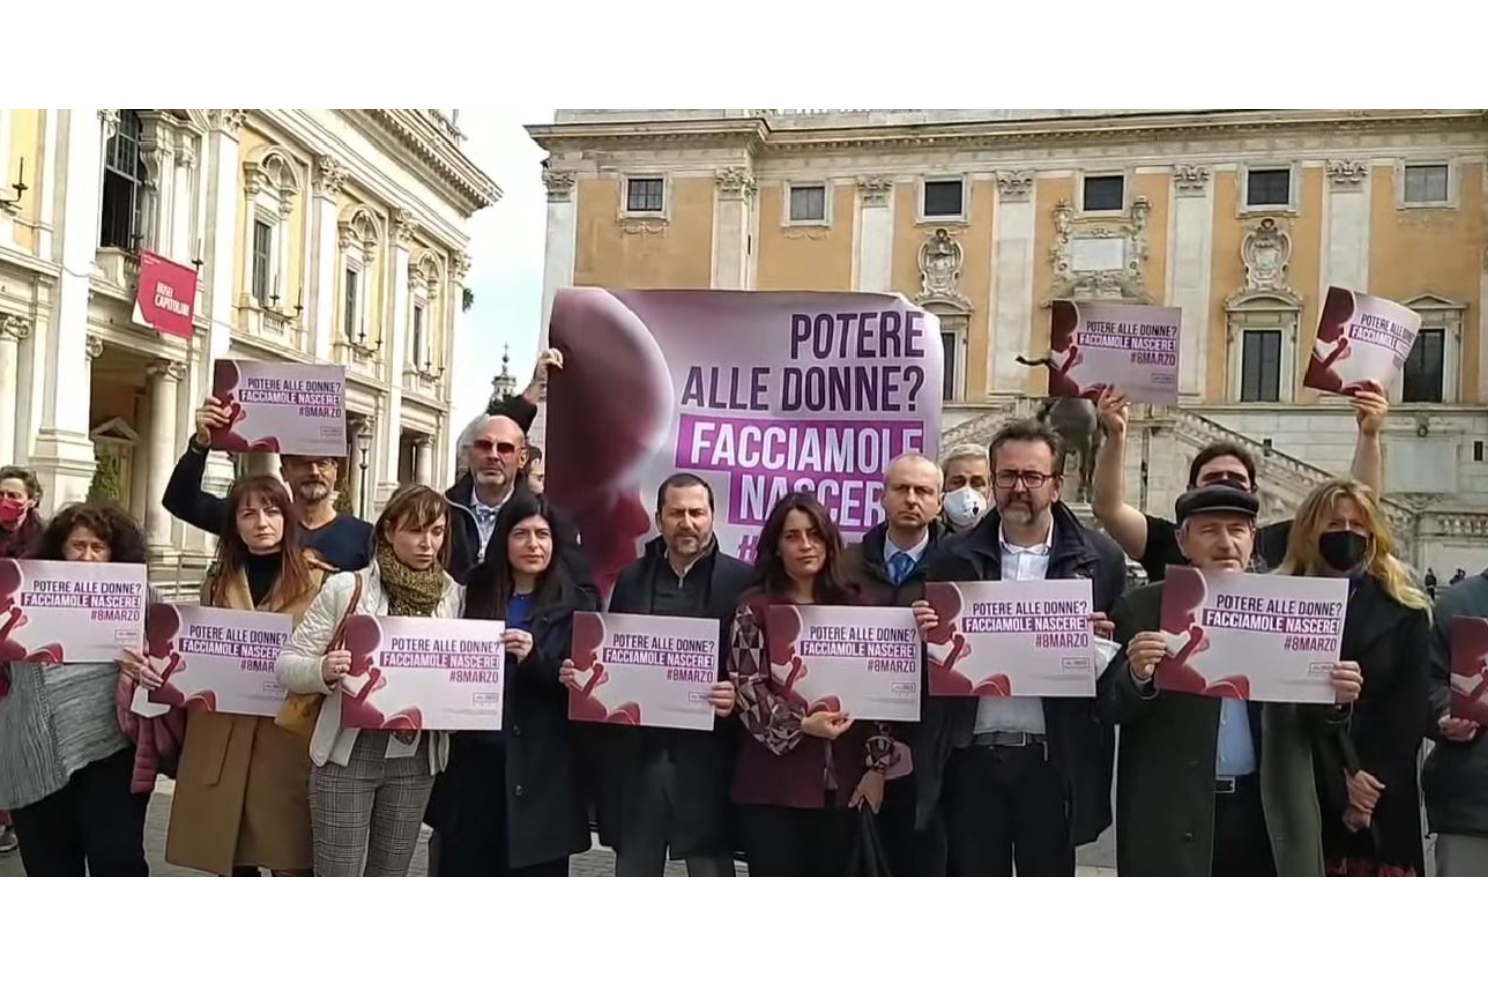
562,242
163,376
875,259
395,348
13,331
63,454
320,303
1190,249
158,147
731,228
1346,227
183,209
423,461
1012,288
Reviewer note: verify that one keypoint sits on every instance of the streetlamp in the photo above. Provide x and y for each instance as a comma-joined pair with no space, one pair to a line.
364,449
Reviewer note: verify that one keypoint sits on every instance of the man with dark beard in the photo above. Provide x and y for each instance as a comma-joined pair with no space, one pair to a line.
343,543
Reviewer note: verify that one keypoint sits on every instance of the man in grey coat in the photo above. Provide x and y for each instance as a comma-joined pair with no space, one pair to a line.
1208,786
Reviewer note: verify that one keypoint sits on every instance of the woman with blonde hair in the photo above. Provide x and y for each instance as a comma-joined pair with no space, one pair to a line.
369,788
240,801
1367,773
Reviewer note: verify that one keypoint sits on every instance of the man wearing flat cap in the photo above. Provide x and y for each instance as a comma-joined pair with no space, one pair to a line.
1211,786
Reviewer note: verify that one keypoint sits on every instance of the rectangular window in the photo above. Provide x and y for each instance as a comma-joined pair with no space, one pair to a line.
951,343
1426,183
1105,193
808,203
643,195
1260,367
121,222
942,198
1268,186
263,254
418,336
349,313
1423,376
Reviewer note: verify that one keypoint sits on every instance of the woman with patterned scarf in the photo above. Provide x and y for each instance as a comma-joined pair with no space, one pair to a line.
368,788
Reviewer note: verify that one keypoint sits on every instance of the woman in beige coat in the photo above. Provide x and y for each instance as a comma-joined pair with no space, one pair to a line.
241,799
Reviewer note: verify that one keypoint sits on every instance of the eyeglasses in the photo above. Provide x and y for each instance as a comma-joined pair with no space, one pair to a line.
484,447
1031,480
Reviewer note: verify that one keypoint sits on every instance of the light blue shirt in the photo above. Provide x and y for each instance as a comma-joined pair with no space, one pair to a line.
1235,754
891,550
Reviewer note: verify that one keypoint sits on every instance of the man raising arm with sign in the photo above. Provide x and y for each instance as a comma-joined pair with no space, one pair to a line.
340,542
1152,541
1193,795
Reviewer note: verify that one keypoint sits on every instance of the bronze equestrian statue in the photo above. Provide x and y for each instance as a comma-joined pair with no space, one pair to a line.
1078,423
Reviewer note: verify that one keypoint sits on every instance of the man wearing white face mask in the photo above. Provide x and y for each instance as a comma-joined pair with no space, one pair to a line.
968,483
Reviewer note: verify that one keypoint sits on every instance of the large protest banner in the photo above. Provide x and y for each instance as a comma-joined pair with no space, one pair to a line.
1001,639
70,612
1362,342
632,670
416,673
1099,347
294,408
760,393
1263,638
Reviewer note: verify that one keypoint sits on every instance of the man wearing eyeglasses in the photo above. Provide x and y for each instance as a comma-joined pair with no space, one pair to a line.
1020,781
494,450
341,542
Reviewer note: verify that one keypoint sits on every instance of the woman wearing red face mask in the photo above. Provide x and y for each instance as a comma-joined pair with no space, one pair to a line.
1366,774
20,532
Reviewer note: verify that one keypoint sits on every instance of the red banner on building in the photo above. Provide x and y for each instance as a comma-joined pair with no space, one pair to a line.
167,294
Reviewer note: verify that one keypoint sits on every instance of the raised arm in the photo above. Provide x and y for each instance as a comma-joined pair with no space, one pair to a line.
184,497
1126,525
1369,413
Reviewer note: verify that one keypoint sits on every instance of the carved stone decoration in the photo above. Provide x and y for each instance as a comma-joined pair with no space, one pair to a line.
644,226
93,347
1347,174
460,265
230,122
1099,258
735,184
1015,186
14,328
168,369
940,271
560,185
186,152
1191,179
1266,251
875,189
330,175
405,225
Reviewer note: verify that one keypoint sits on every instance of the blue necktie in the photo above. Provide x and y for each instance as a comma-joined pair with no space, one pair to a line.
900,566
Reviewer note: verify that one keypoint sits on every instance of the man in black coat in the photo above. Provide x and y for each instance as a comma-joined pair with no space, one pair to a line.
888,569
668,789
1020,780
1455,779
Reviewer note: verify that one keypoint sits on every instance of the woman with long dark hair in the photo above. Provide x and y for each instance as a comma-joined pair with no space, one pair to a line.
241,800
511,801
1367,773
369,788
65,766
800,774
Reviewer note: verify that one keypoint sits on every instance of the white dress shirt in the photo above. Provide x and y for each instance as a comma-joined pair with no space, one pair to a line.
1017,715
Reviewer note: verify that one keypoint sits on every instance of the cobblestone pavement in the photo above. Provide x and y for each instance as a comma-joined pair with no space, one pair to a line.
1095,860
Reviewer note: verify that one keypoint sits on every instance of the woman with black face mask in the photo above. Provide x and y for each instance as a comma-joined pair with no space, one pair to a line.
1367,774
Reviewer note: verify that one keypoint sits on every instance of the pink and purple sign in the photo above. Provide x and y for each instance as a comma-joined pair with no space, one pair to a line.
760,393
1000,639
643,670
1362,342
1131,348
216,660
862,660
1469,674
1261,638
67,612
292,408
411,673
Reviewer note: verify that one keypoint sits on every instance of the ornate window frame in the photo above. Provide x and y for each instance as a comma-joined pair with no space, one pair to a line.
272,184
425,275
360,234
1126,193
1448,316
1262,311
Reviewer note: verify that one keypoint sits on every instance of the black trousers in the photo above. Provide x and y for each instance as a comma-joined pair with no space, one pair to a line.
797,841
473,828
1242,846
94,826
910,852
1006,808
